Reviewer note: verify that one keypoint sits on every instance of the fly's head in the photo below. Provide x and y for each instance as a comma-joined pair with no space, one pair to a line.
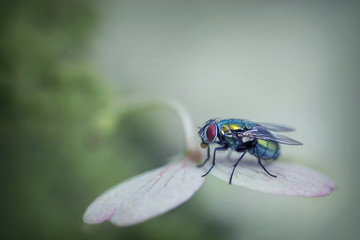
208,133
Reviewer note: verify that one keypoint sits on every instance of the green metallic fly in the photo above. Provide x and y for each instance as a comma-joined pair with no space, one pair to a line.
244,136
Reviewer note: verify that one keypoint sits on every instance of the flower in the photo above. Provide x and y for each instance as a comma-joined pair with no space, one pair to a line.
157,191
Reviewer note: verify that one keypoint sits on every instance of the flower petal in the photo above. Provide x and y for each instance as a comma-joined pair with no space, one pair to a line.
291,179
147,195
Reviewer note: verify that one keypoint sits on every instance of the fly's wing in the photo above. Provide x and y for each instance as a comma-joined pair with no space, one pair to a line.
274,127
279,138
263,134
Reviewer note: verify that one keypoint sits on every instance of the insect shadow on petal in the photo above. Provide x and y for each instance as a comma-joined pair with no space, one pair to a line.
244,136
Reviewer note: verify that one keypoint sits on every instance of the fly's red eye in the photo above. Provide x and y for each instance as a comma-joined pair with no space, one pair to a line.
211,132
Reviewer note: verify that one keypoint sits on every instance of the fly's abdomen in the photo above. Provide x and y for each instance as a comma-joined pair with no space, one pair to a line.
266,149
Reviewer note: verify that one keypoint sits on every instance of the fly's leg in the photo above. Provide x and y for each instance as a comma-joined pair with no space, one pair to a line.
208,157
213,163
259,161
237,162
272,175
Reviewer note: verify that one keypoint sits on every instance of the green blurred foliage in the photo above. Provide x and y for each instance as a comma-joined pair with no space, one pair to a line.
56,156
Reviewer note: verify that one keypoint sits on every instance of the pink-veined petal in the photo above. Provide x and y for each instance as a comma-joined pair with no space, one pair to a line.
291,179
146,195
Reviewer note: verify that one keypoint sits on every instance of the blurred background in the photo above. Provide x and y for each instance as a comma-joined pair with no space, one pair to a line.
67,66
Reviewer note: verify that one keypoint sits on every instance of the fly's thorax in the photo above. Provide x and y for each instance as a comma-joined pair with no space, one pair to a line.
229,127
231,132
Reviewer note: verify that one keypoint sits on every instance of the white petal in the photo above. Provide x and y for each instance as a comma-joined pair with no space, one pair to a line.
291,179
147,195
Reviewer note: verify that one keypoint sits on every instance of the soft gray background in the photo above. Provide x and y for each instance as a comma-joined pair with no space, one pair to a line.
293,62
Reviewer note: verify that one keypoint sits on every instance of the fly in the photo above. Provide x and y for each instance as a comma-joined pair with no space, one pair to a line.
244,136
